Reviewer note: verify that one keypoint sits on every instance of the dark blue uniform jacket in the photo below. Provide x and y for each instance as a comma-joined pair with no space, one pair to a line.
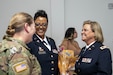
96,60
47,59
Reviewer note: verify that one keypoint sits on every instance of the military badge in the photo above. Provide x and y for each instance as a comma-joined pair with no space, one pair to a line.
87,60
55,51
41,51
103,47
38,41
89,49
13,50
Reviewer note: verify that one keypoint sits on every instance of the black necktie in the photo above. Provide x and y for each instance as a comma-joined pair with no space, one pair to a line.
44,42
84,50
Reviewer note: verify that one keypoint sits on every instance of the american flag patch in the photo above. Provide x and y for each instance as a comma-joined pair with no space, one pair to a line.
19,67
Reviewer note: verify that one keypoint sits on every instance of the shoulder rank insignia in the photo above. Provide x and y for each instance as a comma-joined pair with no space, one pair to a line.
103,47
13,50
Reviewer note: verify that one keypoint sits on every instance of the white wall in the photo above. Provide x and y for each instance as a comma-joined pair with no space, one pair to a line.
77,11
57,18
54,9
63,14
9,8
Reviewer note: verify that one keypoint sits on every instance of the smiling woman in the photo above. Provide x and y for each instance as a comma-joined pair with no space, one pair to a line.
44,47
96,60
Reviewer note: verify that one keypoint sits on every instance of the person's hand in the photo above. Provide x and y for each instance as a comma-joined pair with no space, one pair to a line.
70,72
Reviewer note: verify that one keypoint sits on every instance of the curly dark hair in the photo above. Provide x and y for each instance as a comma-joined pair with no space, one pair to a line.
41,13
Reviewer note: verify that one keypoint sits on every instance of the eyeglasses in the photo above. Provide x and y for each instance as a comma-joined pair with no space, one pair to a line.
44,24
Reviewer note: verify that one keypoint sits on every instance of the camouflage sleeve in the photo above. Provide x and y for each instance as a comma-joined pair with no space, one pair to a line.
36,67
22,63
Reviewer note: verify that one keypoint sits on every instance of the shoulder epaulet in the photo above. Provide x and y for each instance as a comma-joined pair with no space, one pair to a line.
48,37
103,47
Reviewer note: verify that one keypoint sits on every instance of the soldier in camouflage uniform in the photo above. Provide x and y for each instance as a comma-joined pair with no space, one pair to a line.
15,58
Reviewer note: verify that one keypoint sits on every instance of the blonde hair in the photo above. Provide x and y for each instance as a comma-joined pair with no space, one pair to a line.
17,23
95,27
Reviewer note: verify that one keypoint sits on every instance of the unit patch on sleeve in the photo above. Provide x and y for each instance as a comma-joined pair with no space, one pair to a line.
21,66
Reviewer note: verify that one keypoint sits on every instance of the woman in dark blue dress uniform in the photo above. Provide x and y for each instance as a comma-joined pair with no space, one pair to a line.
95,58
43,47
